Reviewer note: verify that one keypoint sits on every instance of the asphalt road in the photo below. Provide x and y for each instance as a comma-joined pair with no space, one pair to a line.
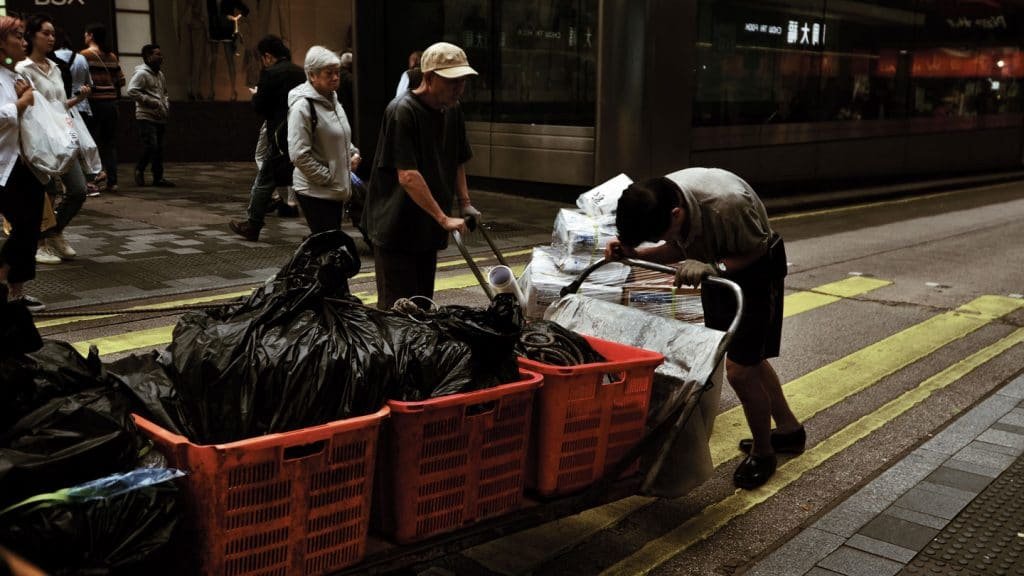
934,256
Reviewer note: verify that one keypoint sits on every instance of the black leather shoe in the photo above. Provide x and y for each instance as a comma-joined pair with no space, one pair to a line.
244,229
791,443
754,471
161,183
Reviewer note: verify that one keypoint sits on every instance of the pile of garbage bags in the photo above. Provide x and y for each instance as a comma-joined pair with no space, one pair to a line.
77,476
301,351
65,421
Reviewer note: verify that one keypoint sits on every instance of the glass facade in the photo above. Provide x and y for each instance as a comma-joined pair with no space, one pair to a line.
537,59
774,62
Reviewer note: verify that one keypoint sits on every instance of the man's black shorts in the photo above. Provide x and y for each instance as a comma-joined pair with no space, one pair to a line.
760,331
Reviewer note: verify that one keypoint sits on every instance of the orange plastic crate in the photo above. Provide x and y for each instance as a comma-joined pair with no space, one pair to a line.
281,504
583,426
457,459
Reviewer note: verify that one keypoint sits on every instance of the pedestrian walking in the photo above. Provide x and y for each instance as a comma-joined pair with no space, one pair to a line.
270,100
71,187
148,88
418,172
412,76
107,82
714,223
320,143
21,193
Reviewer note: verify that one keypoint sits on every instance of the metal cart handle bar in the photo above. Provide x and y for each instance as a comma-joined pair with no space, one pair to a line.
472,225
685,405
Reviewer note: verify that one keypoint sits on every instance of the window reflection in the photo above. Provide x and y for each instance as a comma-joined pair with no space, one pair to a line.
537,59
774,62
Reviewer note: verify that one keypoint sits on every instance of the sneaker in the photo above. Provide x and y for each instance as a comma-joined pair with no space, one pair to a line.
161,183
45,256
59,245
33,304
244,229
140,178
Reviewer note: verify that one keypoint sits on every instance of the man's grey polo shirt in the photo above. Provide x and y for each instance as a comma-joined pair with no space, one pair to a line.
726,217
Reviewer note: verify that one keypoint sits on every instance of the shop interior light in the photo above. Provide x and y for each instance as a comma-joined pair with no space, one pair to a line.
1000,63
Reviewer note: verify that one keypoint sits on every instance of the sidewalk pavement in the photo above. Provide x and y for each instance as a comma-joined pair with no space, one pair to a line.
146,242
952,506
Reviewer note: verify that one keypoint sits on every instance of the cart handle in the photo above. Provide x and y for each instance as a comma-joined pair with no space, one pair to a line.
473,225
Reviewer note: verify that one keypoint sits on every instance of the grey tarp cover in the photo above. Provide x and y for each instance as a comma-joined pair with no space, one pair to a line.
689,351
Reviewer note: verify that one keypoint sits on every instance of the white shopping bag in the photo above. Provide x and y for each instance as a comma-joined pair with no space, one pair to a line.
86,144
49,141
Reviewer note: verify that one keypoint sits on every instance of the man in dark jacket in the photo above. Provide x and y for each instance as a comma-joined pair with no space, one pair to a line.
270,99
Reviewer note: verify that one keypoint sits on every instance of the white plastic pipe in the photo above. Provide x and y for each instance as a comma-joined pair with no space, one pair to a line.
504,281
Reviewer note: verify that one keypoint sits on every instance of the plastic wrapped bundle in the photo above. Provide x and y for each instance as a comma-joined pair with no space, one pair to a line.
542,281
579,239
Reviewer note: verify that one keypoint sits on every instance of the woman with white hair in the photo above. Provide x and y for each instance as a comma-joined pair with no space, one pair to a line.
320,143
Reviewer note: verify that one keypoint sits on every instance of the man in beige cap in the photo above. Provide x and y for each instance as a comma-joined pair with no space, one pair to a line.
418,172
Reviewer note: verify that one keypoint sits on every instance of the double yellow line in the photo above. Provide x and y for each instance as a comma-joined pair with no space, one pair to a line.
808,395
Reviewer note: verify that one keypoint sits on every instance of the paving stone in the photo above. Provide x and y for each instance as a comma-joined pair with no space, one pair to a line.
902,533
977,455
880,548
1014,389
954,478
853,562
107,259
799,555
187,243
185,251
926,501
1014,418
819,571
1002,437
996,448
948,491
917,517
845,520
973,468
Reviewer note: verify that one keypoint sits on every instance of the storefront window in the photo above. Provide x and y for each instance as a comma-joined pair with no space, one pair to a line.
777,62
537,59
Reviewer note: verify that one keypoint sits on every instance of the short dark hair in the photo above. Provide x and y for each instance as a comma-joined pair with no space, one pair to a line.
273,45
148,50
644,212
99,35
35,24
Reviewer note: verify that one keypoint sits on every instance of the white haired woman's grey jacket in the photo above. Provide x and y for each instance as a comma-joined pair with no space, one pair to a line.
321,155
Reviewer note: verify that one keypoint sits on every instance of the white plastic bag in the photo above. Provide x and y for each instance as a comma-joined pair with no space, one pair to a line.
603,199
49,141
86,143
580,239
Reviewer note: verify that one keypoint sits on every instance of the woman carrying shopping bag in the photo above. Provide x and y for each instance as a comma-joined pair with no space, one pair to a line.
46,78
21,194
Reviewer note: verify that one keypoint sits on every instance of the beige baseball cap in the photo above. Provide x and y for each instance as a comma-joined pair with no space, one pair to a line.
447,60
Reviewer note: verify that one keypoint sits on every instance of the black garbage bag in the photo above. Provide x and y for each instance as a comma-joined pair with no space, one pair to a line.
65,420
551,343
18,333
284,359
455,349
114,525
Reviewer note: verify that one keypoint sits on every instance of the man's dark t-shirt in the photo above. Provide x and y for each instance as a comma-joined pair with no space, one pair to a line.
414,136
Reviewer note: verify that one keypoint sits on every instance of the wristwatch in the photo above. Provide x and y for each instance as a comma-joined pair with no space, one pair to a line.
720,266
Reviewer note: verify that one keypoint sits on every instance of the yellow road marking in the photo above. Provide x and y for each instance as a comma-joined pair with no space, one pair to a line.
507,556
830,384
153,307
660,550
204,299
128,341
800,302
158,336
